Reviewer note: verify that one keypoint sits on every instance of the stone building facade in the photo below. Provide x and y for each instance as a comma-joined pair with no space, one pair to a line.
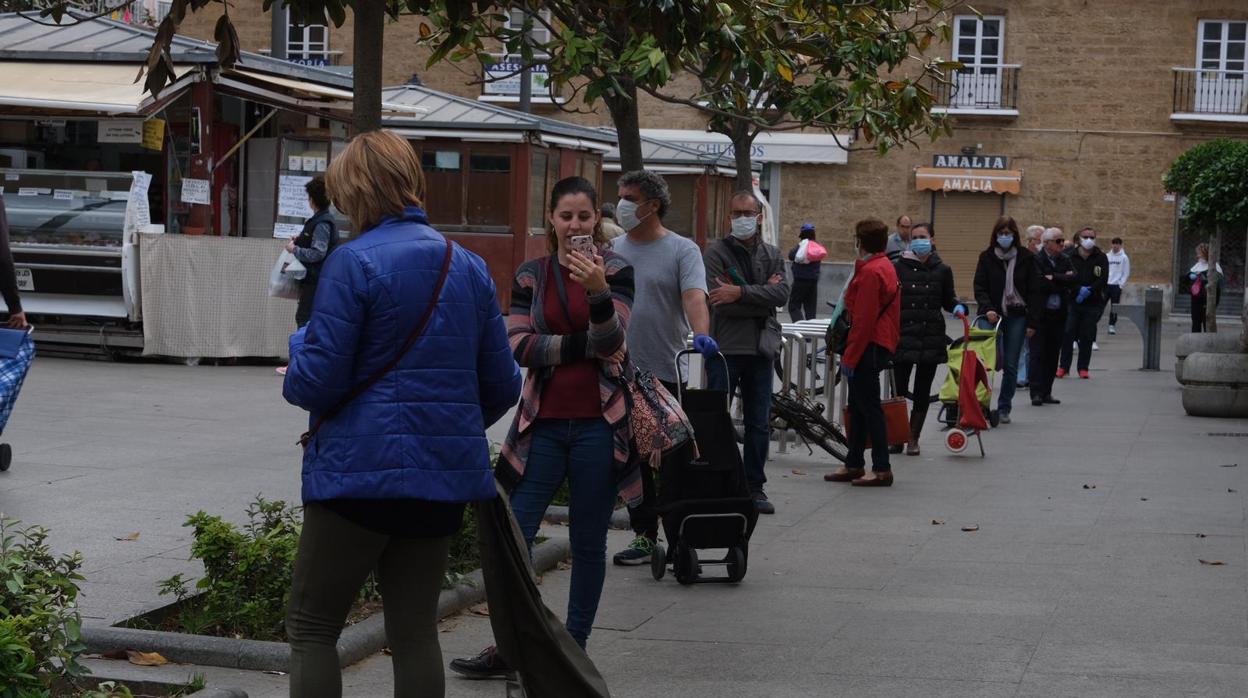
1088,102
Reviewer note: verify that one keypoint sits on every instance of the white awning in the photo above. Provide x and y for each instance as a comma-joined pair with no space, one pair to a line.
86,88
299,93
804,148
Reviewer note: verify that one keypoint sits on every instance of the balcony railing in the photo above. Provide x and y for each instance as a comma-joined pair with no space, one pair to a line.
990,90
1210,95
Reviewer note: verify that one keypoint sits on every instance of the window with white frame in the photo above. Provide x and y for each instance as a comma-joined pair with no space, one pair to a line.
1222,45
979,45
539,33
308,43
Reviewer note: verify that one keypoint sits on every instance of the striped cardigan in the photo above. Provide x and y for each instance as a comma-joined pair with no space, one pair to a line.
540,351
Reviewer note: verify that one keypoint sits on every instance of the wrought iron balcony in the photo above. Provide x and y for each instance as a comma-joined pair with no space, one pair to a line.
1210,95
979,89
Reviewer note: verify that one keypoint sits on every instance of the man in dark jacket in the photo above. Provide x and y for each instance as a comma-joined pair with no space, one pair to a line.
804,299
8,276
746,278
1047,308
1091,267
318,238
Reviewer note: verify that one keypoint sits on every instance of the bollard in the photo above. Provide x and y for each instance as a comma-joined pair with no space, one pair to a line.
1152,328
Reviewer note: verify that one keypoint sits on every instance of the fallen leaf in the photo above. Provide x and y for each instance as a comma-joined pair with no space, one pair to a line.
1143,499
146,658
1201,535
1089,487
273,672
1212,563
386,651
938,522
481,611
1229,465
561,565
1232,490
132,536
971,528
114,654
798,472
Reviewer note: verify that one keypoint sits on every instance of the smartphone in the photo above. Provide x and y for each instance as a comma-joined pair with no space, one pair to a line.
583,244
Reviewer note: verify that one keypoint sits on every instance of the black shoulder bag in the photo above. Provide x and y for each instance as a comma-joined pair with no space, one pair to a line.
837,336
381,373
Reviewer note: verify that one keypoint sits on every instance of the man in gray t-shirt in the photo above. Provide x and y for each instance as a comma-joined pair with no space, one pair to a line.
669,297
663,271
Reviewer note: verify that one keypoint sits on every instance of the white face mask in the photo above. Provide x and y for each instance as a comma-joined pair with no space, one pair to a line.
1088,243
626,215
744,228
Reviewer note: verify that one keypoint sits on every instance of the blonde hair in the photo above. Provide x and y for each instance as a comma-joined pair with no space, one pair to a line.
378,175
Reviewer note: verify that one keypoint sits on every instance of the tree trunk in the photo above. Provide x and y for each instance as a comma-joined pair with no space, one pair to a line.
370,18
742,143
1211,311
627,123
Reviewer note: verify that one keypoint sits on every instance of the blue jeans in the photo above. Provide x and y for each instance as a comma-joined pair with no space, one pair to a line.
1023,360
581,451
1009,346
754,374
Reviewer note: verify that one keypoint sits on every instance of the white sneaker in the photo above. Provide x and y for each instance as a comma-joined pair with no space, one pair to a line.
1113,330
1096,347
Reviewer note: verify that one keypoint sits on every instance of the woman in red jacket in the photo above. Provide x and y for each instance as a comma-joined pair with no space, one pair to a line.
875,325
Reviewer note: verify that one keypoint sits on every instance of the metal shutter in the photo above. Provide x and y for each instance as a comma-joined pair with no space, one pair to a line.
963,223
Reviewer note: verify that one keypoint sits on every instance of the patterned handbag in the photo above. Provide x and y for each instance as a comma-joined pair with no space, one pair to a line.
658,422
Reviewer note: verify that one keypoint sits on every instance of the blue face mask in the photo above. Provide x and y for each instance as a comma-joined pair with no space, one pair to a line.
921,246
1005,242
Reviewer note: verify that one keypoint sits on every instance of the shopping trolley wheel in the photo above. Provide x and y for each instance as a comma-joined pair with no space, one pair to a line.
658,562
686,564
6,457
956,440
736,564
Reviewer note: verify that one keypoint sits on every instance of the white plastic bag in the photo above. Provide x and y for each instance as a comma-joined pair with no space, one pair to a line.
295,270
281,285
800,257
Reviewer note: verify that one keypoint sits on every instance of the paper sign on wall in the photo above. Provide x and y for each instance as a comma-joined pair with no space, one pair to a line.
28,191
309,164
138,215
196,191
294,162
11,177
154,134
286,230
292,198
63,195
120,131
320,164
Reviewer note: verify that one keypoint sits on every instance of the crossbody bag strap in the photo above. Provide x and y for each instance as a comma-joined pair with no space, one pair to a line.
417,331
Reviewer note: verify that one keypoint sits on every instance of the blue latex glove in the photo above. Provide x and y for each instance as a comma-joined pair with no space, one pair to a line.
705,346
847,371
1084,292
959,310
1192,276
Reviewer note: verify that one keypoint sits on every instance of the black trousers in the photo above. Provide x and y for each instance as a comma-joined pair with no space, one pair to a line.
803,299
866,417
644,518
303,312
1200,305
1114,294
920,395
1046,349
1081,330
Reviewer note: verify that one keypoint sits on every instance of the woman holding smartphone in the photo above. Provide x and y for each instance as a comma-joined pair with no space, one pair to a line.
569,311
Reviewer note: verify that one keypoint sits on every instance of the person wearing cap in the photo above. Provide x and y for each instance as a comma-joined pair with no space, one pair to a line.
804,296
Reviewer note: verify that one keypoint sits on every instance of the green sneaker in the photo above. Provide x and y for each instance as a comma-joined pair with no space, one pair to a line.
637,553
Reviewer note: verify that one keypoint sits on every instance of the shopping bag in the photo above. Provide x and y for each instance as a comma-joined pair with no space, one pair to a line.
896,419
802,248
281,285
815,252
295,270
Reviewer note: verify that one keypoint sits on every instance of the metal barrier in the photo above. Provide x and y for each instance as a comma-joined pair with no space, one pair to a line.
799,369
1152,328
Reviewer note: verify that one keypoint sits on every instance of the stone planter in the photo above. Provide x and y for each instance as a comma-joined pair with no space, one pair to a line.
1215,385
1203,342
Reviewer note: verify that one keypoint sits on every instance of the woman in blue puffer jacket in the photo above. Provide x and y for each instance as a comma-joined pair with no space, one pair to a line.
387,476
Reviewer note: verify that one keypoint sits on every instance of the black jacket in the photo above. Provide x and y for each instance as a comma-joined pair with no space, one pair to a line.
1091,271
318,238
803,272
1042,287
926,290
990,280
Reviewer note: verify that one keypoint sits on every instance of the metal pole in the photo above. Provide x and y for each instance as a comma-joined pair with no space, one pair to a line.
280,29
1152,328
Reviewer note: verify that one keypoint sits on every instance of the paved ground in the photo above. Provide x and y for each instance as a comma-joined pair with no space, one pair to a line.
1084,578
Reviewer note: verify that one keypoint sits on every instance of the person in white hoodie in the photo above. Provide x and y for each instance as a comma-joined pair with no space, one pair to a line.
1119,272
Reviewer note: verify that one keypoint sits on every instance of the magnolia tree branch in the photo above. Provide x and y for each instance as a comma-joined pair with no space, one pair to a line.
64,7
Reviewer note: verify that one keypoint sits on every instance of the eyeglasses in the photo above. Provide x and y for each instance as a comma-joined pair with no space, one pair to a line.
744,214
